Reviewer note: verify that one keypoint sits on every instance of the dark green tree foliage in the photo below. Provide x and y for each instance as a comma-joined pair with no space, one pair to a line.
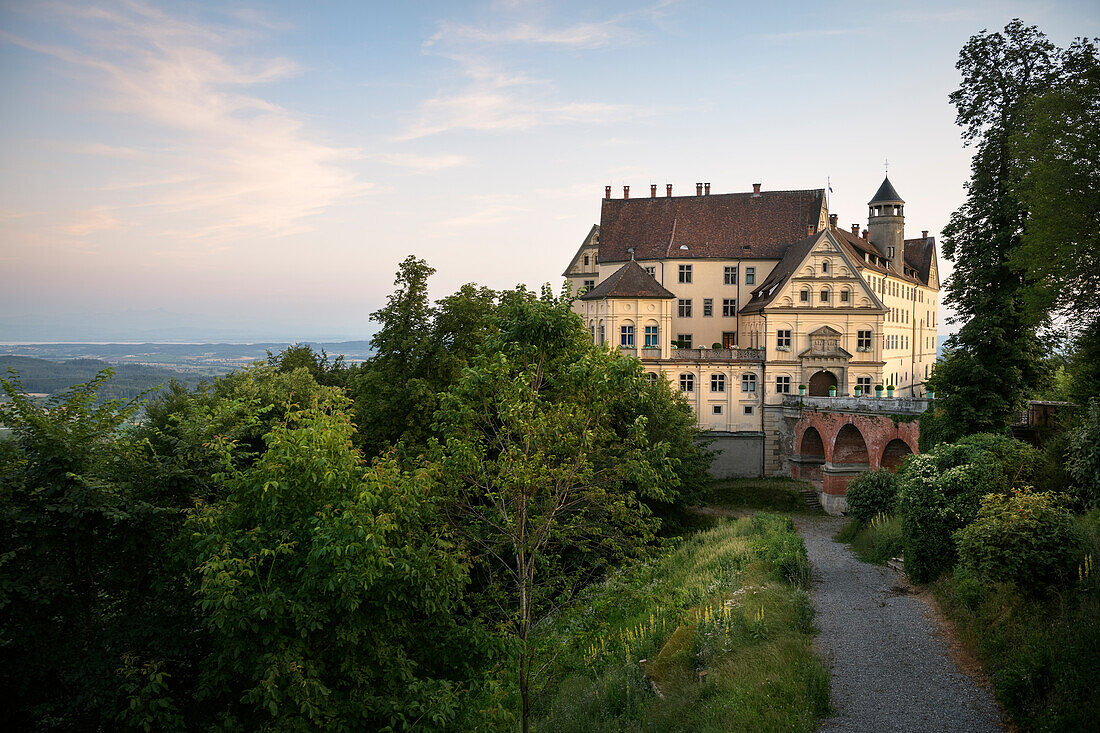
940,492
330,590
990,365
333,373
419,352
543,484
1057,154
85,590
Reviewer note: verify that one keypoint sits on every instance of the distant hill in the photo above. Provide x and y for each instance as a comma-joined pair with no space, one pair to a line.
40,376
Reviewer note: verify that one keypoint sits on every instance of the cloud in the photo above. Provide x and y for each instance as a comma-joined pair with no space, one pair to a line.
492,96
226,161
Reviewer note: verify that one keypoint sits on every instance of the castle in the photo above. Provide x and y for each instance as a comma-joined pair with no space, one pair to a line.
742,300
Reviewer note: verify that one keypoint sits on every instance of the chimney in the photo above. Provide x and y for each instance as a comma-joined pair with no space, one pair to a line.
810,230
706,189
865,234
855,230
924,234
832,221
698,189
607,192
756,189
653,190
626,192
668,189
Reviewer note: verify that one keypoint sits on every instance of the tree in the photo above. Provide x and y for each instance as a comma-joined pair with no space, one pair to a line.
1057,155
333,374
331,594
992,361
541,483
86,600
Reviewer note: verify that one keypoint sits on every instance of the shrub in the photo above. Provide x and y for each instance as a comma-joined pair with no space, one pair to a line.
940,492
1027,538
872,493
1083,456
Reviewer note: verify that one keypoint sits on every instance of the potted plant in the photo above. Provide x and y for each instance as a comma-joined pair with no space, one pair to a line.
878,390
930,394
859,391
832,390
802,390
890,390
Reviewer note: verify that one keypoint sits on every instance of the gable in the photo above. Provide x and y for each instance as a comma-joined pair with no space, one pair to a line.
590,246
816,264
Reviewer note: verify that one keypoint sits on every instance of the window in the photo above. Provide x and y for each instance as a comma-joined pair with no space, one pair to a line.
750,275
825,267
783,340
748,409
685,273
586,260
729,275
748,382
684,339
729,307
652,270
845,295
716,409
729,339
592,333
804,296
717,382
782,385
684,307
651,377
601,334
687,382
651,338
864,383
708,307
588,285
863,340
824,296
626,336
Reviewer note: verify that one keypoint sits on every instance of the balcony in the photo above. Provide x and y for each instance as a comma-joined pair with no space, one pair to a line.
718,354
793,404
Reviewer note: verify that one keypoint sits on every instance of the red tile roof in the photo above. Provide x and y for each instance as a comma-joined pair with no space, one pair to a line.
719,225
629,281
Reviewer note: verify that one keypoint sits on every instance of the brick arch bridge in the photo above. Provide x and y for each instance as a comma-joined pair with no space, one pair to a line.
836,439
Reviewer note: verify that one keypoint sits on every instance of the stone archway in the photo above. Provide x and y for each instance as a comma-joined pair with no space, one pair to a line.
811,455
894,453
820,383
850,447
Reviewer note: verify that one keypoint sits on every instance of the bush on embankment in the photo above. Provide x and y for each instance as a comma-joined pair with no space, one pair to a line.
714,636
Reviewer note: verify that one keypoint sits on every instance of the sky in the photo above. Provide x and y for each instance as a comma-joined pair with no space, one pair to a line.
262,168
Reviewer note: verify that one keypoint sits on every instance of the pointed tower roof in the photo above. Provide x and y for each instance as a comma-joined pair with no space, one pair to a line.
886,194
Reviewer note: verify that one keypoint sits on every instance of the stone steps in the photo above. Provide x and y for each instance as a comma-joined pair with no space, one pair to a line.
812,502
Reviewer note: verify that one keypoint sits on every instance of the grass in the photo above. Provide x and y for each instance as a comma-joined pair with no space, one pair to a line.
876,542
1042,652
768,494
721,626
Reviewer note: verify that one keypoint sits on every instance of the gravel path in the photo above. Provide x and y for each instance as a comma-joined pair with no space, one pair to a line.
890,669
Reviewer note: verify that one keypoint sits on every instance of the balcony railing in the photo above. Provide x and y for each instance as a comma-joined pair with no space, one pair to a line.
718,354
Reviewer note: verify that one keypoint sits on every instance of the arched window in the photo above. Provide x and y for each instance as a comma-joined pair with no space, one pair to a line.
602,335
804,296
845,296
825,267
748,382
651,334
651,377
687,382
825,295
717,382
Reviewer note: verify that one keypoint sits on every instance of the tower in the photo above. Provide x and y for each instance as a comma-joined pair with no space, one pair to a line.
886,224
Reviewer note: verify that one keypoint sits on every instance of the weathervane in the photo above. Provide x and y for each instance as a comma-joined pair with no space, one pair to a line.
886,165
